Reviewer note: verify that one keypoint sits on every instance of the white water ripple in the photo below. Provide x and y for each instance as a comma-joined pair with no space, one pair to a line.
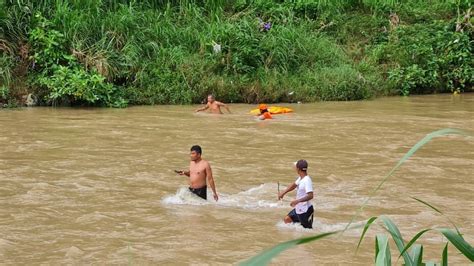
253,198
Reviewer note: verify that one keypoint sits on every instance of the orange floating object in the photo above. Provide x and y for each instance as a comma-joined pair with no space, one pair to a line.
272,109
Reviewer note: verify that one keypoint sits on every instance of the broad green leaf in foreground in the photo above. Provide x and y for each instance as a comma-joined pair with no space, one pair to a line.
397,238
366,227
438,211
417,254
444,257
382,251
266,256
459,242
412,241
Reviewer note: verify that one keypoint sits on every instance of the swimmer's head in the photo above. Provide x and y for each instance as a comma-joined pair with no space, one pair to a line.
263,108
196,152
210,98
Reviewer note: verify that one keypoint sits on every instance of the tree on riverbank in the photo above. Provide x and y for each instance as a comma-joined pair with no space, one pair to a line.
114,53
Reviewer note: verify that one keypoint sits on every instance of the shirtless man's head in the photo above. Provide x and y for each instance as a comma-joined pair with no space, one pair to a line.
210,98
196,152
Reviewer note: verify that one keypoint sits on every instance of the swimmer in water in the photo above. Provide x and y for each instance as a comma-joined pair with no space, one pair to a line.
264,113
199,174
213,105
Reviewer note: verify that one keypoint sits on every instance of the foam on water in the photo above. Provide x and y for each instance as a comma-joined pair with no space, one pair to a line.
262,196
253,198
73,251
259,197
184,197
320,227
294,227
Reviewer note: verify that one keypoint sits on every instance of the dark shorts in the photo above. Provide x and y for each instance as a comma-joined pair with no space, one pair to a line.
306,219
200,192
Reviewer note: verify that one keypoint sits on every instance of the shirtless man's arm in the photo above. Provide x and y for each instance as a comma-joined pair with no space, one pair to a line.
210,181
224,105
185,172
203,108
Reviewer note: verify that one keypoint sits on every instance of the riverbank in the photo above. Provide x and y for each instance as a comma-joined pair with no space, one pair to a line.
118,53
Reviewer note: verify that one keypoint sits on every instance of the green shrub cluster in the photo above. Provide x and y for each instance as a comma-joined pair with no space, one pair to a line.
59,75
111,53
429,58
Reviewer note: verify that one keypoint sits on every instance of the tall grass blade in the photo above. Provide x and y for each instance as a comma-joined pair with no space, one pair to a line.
412,241
417,146
444,258
417,254
427,204
397,238
366,227
438,211
382,251
265,257
458,241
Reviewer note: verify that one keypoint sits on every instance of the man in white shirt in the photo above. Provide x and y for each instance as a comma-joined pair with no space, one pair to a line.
303,209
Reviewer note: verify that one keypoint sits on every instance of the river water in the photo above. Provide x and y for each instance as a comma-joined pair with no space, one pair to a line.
96,186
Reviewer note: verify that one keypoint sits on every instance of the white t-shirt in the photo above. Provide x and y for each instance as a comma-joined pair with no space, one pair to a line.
304,186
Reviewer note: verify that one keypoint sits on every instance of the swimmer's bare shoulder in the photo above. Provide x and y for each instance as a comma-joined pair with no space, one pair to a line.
221,104
205,164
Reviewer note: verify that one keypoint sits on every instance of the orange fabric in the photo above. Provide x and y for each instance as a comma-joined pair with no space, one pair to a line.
267,115
272,109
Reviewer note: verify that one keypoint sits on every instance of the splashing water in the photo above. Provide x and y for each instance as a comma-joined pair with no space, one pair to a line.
253,198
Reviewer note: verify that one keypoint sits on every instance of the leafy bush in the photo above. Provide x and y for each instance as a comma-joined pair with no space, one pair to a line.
75,85
4,92
429,58
6,69
7,99
61,79
342,83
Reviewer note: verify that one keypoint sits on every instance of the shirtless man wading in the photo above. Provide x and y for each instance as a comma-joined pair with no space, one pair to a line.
213,105
200,174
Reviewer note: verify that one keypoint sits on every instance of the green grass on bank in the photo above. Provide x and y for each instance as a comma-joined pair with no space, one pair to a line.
114,53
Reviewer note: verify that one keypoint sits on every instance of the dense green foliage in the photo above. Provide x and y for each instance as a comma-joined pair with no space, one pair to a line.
114,52
431,58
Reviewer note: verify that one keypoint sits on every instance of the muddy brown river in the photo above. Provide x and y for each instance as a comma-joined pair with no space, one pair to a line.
96,186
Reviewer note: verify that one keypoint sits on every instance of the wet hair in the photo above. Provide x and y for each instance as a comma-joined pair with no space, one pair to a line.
197,149
262,111
210,95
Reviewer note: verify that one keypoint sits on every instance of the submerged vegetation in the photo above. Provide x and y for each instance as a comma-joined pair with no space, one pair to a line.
118,52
